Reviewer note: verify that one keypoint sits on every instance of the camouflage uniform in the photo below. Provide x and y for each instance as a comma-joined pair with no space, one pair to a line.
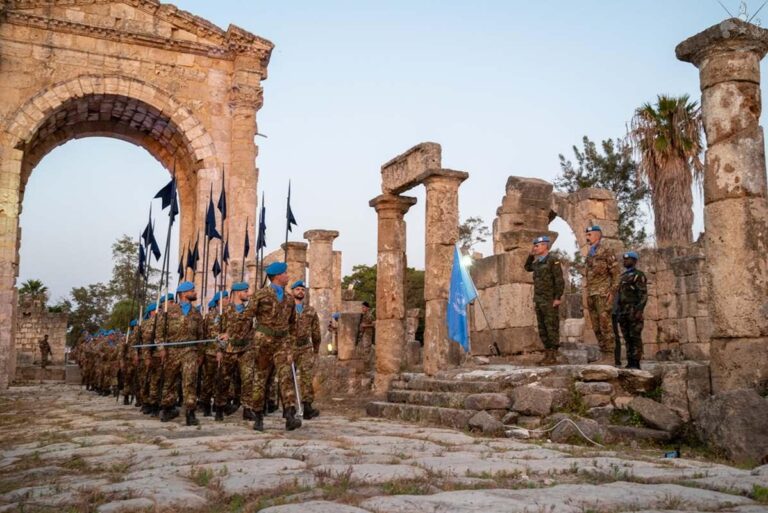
238,329
273,326
307,344
129,357
211,370
602,273
151,332
45,351
181,362
548,285
633,294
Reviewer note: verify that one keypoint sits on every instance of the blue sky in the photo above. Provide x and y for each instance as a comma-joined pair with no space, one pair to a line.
503,86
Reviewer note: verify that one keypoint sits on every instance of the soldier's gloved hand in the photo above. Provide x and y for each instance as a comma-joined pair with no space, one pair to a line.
556,303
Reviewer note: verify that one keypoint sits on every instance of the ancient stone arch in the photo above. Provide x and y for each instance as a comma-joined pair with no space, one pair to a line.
137,70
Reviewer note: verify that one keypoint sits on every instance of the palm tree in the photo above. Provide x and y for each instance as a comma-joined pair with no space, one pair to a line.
35,289
666,138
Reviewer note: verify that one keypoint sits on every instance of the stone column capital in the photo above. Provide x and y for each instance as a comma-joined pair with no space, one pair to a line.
293,245
392,203
436,177
320,235
729,36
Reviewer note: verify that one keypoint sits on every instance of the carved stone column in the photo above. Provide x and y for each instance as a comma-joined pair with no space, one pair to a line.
442,232
390,286
296,258
320,262
728,56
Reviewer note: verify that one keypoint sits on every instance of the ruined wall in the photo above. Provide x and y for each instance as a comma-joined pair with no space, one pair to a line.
32,323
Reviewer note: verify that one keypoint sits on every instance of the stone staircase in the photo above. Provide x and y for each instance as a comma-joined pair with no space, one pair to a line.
494,398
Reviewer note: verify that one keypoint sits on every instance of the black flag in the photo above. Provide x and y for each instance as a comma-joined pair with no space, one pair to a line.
261,239
210,219
142,261
290,219
181,267
225,253
153,246
216,268
168,197
247,243
222,204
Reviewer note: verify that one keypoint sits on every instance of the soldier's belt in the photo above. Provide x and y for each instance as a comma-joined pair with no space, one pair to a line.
270,332
239,343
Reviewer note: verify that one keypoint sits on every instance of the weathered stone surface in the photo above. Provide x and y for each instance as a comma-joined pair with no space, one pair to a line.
486,423
137,504
596,400
636,381
674,390
314,507
602,414
595,387
598,373
402,172
566,431
656,414
487,402
734,422
630,433
536,400
510,419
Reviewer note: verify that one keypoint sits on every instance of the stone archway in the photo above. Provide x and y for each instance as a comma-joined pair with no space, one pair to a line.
137,70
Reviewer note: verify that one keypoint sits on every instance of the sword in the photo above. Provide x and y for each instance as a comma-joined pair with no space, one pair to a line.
184,343
299,405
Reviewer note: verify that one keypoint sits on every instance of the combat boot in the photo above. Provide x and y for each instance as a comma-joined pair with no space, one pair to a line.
155,412
248,414
206,409
168,414
231,407
309,412
191,419
291,421
126,400
549,357
258,421
271,407
219,413
146,409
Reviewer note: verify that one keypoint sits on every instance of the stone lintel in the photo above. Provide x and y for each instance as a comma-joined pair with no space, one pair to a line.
320,235
727,36
399,174
294,245
442,174
392,202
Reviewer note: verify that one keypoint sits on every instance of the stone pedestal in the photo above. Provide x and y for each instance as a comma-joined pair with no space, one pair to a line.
296,258
442,232
728,56
320,263
390,286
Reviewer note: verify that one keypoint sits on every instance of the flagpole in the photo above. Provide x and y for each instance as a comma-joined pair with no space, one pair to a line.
245,248
287,222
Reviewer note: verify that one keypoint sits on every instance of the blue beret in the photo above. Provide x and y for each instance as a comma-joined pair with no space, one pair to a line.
335,317
240,285
299,283
594,228
185,286
543,238
150,308
133,323
212,303
276,268
631,254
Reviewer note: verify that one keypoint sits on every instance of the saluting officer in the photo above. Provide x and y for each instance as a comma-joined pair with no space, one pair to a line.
548,288
602,277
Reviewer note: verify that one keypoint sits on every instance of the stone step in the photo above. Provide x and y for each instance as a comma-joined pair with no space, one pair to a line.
421,382
425,398
446,417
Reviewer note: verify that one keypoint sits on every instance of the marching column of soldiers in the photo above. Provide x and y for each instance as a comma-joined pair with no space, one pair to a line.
611,298
174,356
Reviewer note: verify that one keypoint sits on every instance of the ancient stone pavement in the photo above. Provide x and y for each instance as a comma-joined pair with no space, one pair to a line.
62,449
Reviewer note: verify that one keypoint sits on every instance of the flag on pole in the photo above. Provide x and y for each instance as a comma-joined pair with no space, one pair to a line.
142,261
167,196
460,293
247,243
225,253
210,220
290,218
261,239
222,204
181,267
216,268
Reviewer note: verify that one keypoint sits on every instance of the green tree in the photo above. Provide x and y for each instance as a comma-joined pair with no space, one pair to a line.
93,304
472,231
125,255
667,140
34,289
612,169
122,313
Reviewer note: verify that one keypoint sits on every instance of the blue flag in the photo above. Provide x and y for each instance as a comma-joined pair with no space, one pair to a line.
461,292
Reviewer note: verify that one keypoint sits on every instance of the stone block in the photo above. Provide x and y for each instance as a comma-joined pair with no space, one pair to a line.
400,173
674,389
511,268
487,401
739,363
598,373
596,400
486,423
573,429
573,328
485,272
699,387
594,387
637,381
535,400
656,414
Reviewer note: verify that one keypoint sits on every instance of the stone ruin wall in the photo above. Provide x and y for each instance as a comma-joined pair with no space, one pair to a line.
33,322
677,320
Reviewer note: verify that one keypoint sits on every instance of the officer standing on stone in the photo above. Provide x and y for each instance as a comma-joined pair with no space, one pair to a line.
602,277
307,346
272,312
548,288
45,351
633,294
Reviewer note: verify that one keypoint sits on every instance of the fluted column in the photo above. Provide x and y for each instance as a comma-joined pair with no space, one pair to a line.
728,56
390,286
